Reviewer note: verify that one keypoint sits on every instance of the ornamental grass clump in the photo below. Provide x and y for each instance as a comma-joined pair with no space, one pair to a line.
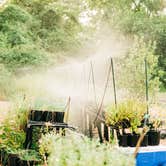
79,150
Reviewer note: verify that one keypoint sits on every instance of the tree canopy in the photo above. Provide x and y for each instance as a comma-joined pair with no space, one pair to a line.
32,31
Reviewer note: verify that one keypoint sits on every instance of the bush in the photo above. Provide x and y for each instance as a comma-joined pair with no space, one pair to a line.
22,56
13,14
19,46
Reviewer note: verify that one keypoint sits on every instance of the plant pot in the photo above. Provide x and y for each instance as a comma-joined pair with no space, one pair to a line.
59,117
0,156
46,116
28,163
4,157
145,141
153,137
122,139
13,160
132,139
38,115
35,115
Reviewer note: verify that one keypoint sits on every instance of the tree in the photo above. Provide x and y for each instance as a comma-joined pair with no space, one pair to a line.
143,18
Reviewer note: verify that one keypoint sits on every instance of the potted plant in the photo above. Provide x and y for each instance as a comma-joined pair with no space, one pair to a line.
128,114
154,133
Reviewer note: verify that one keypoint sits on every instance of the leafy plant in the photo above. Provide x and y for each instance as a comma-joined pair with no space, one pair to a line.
29,155
155,123
131,112
77,150
12,134
10,138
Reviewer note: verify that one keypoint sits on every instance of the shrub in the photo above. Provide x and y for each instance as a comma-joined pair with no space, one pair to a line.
13,13
22,56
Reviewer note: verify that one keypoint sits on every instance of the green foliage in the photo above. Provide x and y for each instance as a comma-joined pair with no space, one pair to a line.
29,155
21,110
160,49
143,18
12,135
13,14
23,56
62,26
10,138
80,151
31,30
131,70
36,33
18,45
131,111
59,26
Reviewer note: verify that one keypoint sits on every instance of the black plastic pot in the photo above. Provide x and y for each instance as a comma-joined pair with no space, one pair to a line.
4,157
145,141
0,156
37,116
123,140
13,160
153,137
46,116
59,117
132,139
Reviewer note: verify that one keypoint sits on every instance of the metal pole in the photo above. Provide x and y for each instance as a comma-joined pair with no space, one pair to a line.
113,77
146,85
